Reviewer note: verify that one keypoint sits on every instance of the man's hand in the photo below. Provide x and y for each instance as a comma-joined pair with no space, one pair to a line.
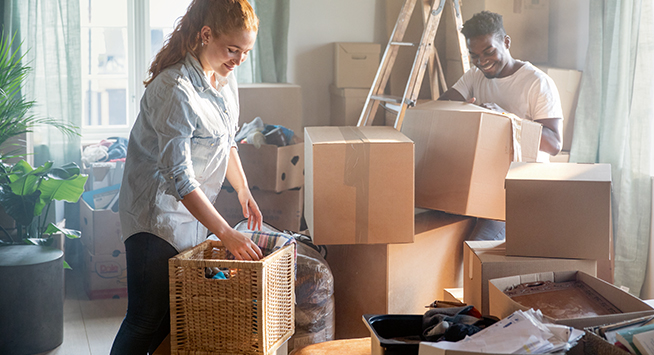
493,106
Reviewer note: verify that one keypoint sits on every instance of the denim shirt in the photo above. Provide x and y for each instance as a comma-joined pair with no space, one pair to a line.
180,141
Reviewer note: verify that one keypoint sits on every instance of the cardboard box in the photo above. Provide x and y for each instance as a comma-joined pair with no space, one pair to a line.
280,209
463,152
526,22
272,168
631,307
359,185
567,82
355,64
276,104
103,174
101,230
397,278
347,105
485,260
559,210
105,275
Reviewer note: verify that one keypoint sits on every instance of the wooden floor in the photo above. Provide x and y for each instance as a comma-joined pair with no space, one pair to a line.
89,325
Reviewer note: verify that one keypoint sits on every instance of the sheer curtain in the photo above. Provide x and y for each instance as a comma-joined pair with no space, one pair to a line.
613,123
50,32
267,63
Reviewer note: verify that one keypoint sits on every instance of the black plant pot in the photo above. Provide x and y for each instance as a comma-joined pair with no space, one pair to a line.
31,299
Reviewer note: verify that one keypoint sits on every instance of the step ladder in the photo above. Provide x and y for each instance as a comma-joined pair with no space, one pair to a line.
425,58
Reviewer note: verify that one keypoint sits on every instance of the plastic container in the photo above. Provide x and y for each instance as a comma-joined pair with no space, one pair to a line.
392,334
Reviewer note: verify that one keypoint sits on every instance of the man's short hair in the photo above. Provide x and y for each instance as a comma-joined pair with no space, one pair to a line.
484,23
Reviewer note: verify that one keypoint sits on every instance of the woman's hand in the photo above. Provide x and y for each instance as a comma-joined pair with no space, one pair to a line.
250,209
240,245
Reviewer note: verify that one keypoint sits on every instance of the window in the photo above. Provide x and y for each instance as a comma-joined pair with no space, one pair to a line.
118,41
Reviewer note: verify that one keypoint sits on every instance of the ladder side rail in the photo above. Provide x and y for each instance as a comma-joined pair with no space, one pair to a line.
420,62
386,64
463,47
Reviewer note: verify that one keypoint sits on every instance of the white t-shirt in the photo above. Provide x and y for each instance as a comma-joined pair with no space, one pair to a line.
528,93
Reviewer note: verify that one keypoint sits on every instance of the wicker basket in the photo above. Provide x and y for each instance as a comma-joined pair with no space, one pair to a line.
251,312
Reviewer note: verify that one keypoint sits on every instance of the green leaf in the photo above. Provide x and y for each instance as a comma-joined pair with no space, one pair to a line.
66,266
69,233
20,208
54,188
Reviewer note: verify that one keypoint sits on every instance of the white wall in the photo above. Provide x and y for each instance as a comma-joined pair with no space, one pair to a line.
568,42
314,26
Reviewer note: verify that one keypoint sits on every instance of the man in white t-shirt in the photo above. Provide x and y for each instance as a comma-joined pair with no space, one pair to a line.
502,83
505,84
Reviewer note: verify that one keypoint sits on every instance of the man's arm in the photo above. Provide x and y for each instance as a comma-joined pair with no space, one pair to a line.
452,95
551,138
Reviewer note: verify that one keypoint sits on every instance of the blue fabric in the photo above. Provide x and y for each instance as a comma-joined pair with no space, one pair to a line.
147,321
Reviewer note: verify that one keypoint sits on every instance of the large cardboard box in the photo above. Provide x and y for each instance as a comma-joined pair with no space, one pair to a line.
105,275
567,82
559,210
347,105
101,230
280,209
630,306
355,64
397,278
272,168
463,152
276,104
358,185
526,22
486,260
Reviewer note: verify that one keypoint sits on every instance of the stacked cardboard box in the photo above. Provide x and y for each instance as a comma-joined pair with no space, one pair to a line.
105,273
385,256
275,174
355,67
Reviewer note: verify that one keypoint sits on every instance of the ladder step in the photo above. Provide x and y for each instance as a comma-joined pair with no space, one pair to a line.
403,44
387,98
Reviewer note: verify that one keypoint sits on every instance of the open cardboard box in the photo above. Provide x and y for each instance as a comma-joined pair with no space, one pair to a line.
272,168
486,260
631,307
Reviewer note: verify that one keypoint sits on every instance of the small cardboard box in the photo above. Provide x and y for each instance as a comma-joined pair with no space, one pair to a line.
355,64
101,230
358,185
463,152
631,307
397,278
105,275
273,168
347,105
276,104
559,210
103,174
280,209
485,260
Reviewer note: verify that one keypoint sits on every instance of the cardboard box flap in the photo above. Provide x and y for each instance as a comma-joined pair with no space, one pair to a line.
360,50
458,106
560,171
631,307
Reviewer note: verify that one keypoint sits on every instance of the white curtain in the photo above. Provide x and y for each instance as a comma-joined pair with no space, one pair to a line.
267,62
613,123
50,32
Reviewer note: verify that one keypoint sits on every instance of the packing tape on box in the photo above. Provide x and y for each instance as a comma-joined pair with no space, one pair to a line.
516,136
357,175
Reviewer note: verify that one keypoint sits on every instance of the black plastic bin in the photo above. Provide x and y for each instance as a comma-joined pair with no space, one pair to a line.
394,334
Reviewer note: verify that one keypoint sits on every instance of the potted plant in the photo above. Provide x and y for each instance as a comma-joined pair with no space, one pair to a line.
29,274
26,192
